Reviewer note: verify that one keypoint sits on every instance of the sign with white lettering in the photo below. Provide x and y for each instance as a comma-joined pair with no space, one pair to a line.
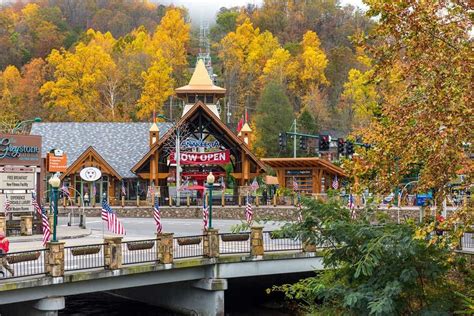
20,202
20,149
199,143
17,181
211,158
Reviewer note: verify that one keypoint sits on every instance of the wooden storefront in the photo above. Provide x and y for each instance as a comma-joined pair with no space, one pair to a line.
313,175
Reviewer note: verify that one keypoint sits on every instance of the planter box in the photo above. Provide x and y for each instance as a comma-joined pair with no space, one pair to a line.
189,241
85,250
235,237
31,256
140,245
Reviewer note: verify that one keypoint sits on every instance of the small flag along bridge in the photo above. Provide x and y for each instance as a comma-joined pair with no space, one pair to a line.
185,274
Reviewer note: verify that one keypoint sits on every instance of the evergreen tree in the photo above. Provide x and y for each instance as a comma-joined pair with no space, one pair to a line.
274,115
306,122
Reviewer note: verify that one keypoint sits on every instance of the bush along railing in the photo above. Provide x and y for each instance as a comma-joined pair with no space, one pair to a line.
84,257
275,241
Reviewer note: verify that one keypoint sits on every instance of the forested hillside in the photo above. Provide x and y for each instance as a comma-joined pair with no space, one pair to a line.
119,60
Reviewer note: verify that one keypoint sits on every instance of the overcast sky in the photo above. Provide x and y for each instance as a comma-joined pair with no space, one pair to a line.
207,9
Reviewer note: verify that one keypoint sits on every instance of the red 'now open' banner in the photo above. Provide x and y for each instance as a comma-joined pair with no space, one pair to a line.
190,158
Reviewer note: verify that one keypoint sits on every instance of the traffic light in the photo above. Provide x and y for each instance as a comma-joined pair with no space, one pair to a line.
324,142
282,139
303,143
349,148
340,146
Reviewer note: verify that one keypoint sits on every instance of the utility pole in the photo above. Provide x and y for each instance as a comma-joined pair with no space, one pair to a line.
178,167
294,139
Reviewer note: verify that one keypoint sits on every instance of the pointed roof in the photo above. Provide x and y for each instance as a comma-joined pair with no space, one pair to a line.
215,119
200,82
246,128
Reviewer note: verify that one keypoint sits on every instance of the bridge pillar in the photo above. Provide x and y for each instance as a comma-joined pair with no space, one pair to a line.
26,225
44,307
164,248
54,259
256,240
211,243
113,253
204,297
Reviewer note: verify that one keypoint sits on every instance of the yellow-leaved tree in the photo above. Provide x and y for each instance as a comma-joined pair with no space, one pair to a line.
171,37
157,88
75,90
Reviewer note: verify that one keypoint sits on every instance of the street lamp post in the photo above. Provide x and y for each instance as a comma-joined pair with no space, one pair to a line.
210,185
55,182
22,123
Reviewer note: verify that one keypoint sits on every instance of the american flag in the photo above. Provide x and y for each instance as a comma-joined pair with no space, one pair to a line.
65,190
151,190
248,211
351,206
7,207
254,185
44,220
295,185
157,216
124,191
205,214
223,184
335,183
299,209
113,223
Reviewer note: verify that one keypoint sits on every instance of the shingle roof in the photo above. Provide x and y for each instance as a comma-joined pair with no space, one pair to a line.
122,145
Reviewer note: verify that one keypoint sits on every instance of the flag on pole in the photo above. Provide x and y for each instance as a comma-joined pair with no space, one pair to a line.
44,220
248,211
94,189
240,124
299,209
124,190
295,185
7,206
254,185
113,223
157,216
223,184
335,183
205,214
65,190
351,206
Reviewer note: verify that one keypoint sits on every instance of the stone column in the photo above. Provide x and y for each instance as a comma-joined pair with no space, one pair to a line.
54,259
113,252
3,225
308,246
211,243
256,240
164,248
26,225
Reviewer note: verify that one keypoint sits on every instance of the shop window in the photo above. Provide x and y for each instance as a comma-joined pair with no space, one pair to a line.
209,98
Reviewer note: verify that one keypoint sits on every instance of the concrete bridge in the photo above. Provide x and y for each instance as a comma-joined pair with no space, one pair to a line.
185,274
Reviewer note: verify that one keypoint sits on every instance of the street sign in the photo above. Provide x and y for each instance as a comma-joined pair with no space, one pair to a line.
20,202
17,181
90,174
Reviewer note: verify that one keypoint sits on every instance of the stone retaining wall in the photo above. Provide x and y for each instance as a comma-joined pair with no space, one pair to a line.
229,212
218,212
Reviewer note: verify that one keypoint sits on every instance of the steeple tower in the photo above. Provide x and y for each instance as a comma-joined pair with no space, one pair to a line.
200,88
